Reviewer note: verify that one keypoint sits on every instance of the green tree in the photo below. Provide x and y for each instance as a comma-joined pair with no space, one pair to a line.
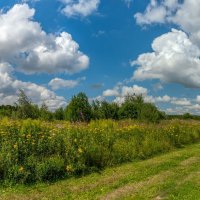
59,114
79,109
187,116
25,107
96,110
150,113
131,107
45,114
8,111
109,110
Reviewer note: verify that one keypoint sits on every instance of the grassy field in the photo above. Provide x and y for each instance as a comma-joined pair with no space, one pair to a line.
175,175
33,151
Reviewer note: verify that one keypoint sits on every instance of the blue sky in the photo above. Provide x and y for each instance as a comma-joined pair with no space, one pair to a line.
54,49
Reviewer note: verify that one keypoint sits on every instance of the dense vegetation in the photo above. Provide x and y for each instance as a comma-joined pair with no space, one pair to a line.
80,110
39,145
32,150
172,176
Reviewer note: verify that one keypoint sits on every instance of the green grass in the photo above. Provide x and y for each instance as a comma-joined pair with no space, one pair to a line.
33,151
174,176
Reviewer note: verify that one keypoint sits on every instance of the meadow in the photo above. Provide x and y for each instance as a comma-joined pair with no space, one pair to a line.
33,151
170,176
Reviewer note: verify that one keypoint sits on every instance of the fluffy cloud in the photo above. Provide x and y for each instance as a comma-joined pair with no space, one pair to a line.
193,109
174,59
111,92
185,14
30,49
154,13
82,8
9,87
134,90
181,102
122,91
198,99
158,12
161,99
58,83
176,105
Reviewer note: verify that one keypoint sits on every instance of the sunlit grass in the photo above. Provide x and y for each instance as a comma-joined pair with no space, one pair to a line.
35,151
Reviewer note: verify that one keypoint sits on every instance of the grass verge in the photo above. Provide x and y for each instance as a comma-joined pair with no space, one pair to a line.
173,176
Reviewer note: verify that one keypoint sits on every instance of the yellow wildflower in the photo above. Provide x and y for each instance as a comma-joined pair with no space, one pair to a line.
69,168
80,150
21,169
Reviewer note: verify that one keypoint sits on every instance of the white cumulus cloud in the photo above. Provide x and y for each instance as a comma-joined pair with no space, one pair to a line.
25,45
82,8
9,88
157,12
58,83
174,59
122,91
185,14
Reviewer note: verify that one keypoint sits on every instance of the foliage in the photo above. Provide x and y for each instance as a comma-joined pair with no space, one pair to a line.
78,109
187,116
45,114
131,108
34,150
150,113
59,114
25,107
109,110
8,111
173,175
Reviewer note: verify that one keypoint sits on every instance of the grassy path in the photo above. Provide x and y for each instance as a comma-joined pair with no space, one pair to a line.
173,176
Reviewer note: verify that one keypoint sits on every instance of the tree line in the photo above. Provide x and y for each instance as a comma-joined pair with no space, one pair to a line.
80,110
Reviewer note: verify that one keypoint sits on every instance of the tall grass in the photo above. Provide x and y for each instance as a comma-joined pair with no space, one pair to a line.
33,151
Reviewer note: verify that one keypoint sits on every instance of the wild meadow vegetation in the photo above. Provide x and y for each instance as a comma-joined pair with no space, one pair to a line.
38,145
35,151
170,176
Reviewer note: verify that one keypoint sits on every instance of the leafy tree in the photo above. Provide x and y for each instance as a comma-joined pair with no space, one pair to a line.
134,107
25,107
7,111
131,108
109,110
150,113
79,109
128,110
45,114
59,114
187,116
96,110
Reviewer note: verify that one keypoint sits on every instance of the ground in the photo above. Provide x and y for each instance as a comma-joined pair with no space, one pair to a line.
175,175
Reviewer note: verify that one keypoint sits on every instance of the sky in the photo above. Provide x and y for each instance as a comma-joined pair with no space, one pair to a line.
53,49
